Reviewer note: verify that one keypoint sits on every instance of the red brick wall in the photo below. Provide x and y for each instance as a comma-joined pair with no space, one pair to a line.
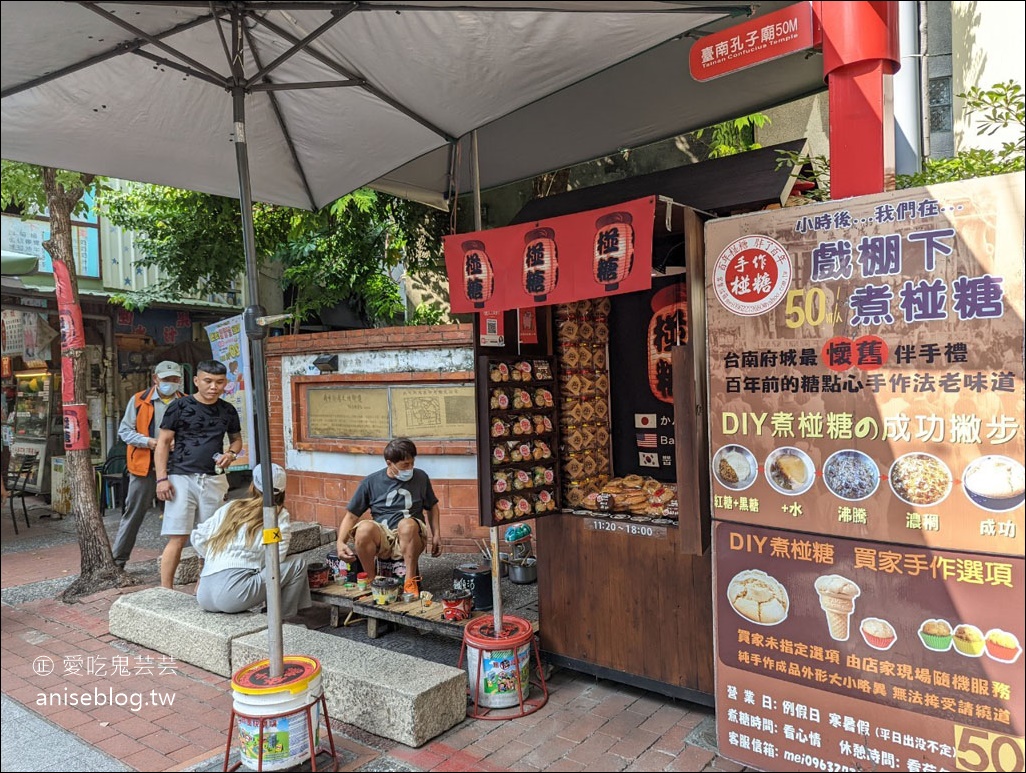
322,497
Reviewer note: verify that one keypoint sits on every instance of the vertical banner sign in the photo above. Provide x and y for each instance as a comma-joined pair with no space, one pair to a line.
76,427
641,407
229,345
76,415
559,260
866,382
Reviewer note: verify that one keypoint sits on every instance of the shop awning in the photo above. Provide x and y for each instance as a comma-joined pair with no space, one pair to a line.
17,263
722,186
604,251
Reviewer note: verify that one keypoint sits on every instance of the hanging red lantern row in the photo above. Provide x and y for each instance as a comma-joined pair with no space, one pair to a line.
667,328
614,249
478,276
541,267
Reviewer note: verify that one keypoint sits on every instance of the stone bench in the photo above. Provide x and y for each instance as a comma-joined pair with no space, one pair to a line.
386,693
172,623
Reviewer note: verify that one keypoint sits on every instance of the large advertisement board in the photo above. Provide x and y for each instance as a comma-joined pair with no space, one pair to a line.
866,381
866,367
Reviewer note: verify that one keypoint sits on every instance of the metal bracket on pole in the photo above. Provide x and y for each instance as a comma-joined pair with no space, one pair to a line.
251,319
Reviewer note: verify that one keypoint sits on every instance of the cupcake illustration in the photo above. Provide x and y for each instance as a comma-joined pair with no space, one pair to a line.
968,640
1002,645
879,634
936,635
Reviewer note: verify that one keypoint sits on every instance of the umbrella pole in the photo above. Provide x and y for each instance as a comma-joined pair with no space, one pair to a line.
256,334
493,532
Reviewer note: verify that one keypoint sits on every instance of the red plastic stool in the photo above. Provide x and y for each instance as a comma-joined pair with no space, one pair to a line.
504,652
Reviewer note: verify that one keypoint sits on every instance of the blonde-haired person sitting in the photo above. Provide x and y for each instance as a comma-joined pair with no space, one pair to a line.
230,543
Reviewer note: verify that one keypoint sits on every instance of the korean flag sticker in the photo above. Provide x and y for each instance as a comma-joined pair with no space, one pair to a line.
648,459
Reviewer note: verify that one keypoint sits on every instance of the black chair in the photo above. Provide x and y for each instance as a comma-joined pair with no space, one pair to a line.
20,472
114,475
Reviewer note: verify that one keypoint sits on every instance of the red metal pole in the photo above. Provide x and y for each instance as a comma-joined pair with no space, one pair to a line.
860,53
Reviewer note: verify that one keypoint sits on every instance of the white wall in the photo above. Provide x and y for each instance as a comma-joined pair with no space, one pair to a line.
987,48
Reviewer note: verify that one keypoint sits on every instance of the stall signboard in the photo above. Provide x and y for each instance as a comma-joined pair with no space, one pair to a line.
563,259
228,344
866,367
866,411
840,654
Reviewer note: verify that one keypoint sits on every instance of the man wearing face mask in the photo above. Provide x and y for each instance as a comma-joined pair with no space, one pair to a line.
403,515
139,429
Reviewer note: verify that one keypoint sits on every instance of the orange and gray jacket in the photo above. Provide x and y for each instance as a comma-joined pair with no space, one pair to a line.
139,459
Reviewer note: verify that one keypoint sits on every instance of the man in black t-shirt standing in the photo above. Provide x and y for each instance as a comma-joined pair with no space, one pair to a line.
186,477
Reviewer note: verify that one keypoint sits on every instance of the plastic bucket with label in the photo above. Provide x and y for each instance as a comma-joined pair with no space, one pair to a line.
496,665
285,708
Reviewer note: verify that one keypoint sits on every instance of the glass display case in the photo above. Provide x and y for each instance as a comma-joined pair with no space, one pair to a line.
34,429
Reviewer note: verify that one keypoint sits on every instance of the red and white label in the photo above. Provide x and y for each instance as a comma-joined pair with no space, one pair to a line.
752,275
752,42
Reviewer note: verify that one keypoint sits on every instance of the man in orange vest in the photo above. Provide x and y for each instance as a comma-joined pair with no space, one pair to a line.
139,429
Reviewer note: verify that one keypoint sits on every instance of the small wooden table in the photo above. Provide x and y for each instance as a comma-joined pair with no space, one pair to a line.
411,614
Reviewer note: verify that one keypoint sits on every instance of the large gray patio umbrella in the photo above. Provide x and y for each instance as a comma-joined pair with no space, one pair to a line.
320,98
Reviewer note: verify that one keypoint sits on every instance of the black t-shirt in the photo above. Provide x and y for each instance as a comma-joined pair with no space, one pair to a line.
199,433
391,500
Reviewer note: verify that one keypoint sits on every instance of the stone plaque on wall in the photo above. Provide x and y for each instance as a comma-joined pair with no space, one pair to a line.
433,412
347,412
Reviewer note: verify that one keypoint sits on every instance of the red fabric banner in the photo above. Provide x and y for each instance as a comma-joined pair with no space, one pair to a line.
584,255
76,427
72,331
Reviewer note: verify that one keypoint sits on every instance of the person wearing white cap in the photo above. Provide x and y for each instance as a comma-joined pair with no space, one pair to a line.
138,429
230,543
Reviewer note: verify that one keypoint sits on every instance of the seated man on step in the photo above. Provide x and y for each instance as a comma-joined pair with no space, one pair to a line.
398,498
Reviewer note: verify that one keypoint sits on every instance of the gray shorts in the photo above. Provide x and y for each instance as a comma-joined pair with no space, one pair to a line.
197,497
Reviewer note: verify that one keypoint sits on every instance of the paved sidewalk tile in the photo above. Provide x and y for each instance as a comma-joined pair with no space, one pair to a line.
75,695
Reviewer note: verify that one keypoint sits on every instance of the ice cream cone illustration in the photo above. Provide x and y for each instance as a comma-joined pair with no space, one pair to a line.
837,596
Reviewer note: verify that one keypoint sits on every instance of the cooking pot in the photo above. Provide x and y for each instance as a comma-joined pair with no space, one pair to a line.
523,572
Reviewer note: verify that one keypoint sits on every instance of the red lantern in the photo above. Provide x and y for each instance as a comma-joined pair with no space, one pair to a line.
478,277
667,328
541,268
614,249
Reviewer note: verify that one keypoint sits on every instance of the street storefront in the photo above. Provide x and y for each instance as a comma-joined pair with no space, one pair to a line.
590,386
866,430
576,429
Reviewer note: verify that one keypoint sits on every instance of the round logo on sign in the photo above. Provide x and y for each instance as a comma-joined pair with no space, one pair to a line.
752,275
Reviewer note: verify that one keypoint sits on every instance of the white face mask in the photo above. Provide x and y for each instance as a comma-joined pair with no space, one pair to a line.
404,475
167,388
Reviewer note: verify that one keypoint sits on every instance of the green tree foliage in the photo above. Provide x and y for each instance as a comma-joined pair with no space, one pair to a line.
999,107
341,253
732,137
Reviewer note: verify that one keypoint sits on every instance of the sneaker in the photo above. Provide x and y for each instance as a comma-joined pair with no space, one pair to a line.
412,586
